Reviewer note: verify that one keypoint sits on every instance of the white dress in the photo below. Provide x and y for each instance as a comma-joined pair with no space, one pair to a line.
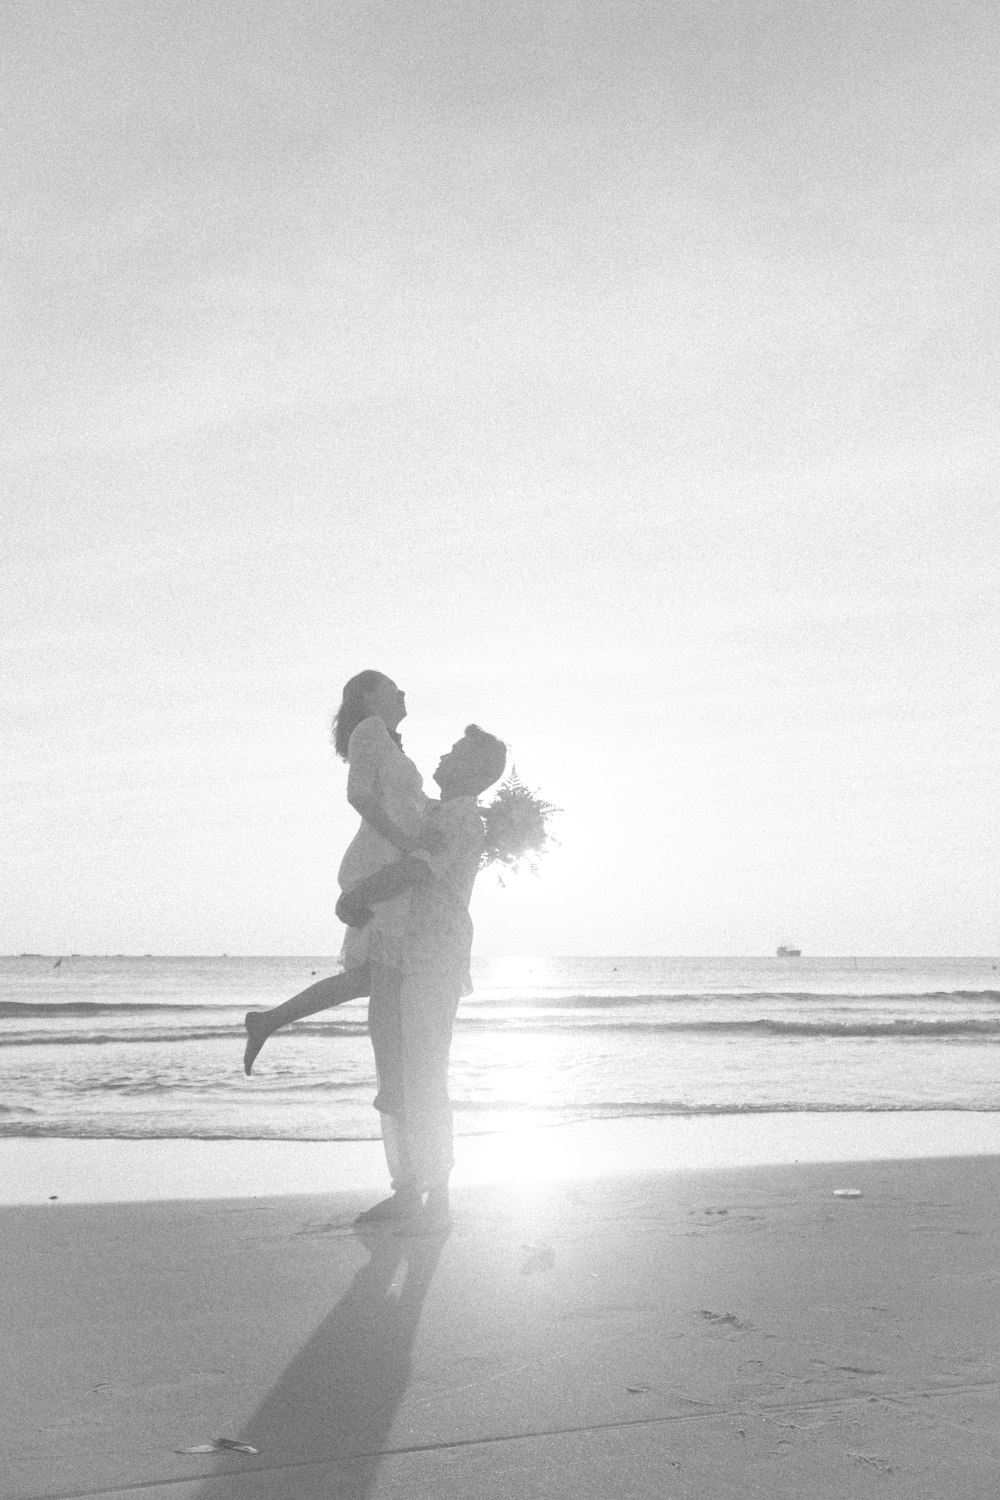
379,769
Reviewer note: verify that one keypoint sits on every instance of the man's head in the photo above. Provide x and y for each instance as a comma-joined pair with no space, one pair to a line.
472,764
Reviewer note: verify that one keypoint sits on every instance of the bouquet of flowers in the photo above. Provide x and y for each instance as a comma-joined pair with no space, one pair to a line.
516,826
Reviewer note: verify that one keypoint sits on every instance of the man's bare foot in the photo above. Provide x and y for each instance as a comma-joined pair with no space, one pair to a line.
258,1032
436,1216
403,1204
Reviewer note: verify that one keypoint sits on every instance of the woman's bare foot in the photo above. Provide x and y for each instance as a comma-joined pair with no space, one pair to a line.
403,1204
258,1032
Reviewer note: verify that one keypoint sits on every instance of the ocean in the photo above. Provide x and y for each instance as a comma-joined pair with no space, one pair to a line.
151,1048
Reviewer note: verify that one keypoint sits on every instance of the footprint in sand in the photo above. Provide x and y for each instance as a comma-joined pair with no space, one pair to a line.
725,1320
872,1461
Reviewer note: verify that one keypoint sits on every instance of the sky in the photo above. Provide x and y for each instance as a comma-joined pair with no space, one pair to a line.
619,376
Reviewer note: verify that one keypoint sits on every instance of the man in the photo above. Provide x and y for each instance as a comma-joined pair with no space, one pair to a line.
412,1009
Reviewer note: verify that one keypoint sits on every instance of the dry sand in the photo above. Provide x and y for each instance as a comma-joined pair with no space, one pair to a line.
703,1333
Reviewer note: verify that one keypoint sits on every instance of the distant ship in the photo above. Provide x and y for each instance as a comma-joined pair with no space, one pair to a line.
784,951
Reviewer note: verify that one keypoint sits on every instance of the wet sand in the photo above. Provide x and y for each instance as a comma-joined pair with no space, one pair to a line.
78,1170
706,1332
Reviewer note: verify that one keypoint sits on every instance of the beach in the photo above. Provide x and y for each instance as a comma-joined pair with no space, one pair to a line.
625,1324
721,1227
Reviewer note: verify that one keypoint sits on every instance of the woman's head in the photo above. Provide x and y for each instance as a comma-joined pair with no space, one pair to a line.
369,694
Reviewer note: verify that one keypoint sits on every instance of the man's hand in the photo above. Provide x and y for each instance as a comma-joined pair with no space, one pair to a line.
427,837
351,911
431,839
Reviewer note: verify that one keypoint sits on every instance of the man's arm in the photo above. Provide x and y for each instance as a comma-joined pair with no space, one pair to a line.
392,880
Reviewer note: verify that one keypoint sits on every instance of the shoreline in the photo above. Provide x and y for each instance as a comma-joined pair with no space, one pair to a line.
66,1170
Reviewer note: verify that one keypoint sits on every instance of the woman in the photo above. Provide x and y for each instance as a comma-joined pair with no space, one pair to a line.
385,788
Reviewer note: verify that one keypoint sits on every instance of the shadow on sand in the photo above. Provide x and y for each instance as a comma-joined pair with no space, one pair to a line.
335,1404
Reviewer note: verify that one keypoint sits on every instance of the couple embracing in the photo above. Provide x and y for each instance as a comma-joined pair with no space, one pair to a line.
406,881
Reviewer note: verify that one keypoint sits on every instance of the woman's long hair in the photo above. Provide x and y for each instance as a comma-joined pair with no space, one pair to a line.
352,710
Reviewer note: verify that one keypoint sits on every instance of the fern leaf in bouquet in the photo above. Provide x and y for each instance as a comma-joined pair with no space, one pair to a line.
516,826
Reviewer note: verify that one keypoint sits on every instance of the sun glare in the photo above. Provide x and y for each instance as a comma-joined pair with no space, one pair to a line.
510,975
525,1155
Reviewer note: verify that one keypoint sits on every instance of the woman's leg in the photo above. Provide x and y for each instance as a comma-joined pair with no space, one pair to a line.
335,990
